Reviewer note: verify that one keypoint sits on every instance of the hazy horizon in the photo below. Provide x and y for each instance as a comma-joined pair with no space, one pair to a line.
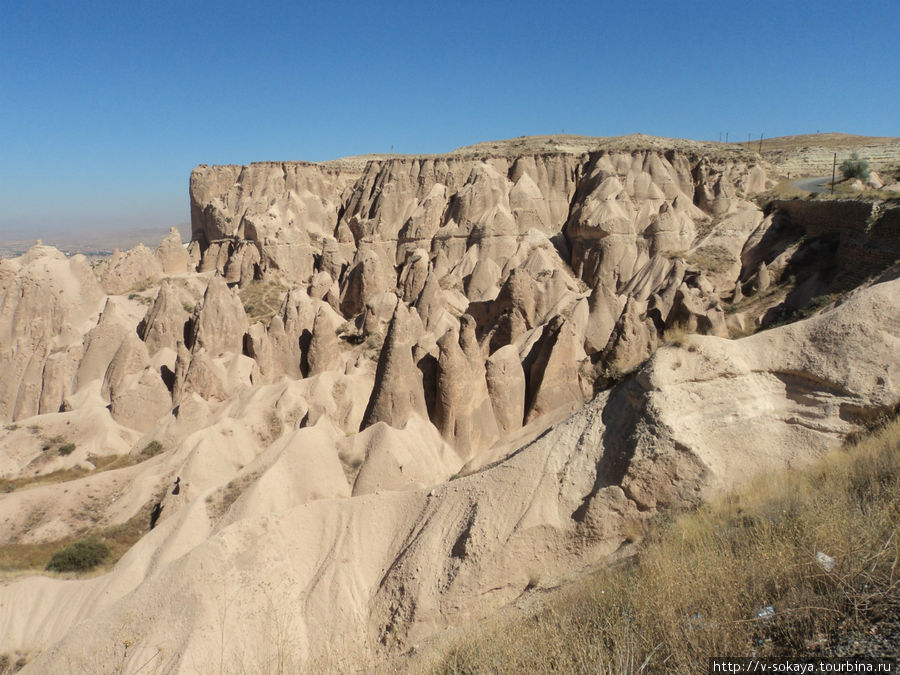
106,107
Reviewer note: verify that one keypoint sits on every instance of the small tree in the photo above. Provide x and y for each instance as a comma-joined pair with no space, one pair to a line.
855,168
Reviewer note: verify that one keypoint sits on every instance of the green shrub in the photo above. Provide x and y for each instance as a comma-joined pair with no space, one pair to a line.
152,449
78,557
67,448
855,168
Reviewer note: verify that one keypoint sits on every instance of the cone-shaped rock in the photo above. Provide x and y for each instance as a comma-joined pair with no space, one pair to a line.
142,401
506,385
130,357
631,342
398,392
553,378
462,411
221,323
171,254
100,345
163,326
323,347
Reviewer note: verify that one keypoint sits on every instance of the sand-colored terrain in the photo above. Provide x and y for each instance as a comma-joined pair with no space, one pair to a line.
375,398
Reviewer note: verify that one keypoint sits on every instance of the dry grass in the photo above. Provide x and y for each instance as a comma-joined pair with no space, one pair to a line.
836,141
262,299
218,503
676,335
736,577
101,463
119,538
711,258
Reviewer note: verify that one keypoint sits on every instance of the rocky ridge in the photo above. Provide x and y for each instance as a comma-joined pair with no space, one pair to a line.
514,315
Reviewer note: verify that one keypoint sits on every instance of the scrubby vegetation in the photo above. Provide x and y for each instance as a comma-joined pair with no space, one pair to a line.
855,168
101,463
152,449
16,558
800,562
81,556
261,299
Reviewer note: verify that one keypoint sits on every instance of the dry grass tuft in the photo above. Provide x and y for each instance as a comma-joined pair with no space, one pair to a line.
676,335
738,576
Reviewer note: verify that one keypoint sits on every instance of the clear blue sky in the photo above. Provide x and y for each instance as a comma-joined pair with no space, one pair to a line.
106,106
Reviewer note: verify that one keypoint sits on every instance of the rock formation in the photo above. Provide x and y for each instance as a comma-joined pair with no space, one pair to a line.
172,256
456,370
221,322
397,394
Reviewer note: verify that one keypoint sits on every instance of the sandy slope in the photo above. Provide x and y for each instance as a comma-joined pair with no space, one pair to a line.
348,574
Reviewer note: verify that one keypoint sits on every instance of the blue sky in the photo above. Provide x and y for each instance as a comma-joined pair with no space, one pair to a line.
106,106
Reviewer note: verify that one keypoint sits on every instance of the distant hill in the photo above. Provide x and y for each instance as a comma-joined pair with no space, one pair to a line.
98,243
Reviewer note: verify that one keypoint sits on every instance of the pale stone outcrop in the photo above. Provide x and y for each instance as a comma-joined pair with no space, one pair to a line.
553,376
257,464
319,285
604,310
47,303
182,364
506,385
59,378
763,279
139,400
366,279
100,345
378,312
259,348
462,412
518,294
243,264
131,357
290,331
163,325
194,255
172,256
429,304
693,312
28,396
483,283
215,257
397,394
203,378
286,354
413,275
221,322
632,341
323,346
129,271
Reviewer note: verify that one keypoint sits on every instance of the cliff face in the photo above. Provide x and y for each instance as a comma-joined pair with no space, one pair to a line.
605,214
301,212
511,240
302,217
340,340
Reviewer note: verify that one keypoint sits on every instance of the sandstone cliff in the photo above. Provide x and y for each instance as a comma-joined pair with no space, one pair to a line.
390,390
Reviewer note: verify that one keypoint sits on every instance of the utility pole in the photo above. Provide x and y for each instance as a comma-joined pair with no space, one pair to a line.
760,143
833,169
726,137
